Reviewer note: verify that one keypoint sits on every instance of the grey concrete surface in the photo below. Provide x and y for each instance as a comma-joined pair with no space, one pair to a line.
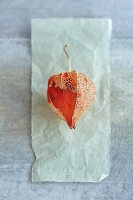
16,155
15,16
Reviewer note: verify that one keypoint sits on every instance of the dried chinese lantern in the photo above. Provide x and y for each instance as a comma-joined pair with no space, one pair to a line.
70,94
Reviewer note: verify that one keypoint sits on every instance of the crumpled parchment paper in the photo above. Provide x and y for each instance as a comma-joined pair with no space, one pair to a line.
65,155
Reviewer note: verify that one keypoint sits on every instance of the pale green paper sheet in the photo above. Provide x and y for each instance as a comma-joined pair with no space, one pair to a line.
65,155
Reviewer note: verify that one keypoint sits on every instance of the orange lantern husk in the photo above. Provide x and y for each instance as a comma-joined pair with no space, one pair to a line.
70,94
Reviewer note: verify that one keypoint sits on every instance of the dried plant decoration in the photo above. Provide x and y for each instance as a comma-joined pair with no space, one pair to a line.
70,94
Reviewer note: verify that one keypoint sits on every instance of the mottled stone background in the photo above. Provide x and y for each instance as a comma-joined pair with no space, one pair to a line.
16,155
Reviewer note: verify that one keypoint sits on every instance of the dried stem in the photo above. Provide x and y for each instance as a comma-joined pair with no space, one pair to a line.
69,60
